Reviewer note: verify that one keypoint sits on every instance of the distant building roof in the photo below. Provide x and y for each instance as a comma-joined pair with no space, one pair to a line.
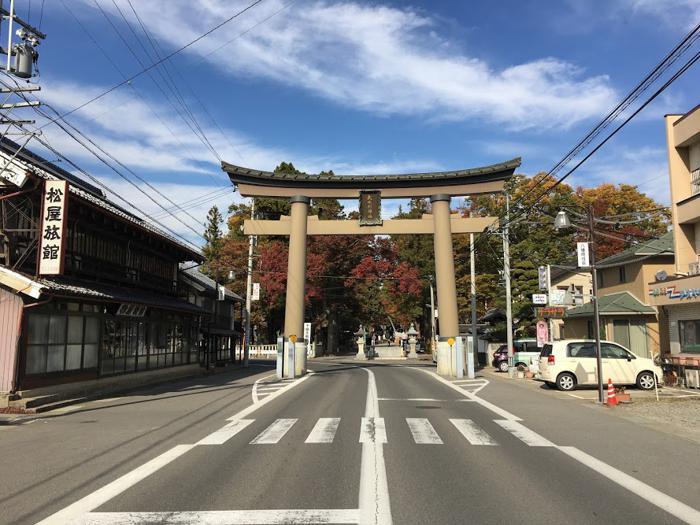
660,246
620,303
194,273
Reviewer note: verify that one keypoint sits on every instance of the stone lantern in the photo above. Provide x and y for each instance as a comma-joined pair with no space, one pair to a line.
412,339
360,340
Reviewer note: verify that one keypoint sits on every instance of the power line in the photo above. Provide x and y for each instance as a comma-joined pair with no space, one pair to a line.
131,85
167,57
106,163
190,124
646,82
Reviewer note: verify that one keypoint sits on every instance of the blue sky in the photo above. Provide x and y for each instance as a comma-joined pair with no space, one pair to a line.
360,87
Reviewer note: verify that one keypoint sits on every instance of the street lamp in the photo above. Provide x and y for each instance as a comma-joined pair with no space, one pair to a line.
562,221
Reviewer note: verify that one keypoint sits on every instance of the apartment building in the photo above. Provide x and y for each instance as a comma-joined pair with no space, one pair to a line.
677,293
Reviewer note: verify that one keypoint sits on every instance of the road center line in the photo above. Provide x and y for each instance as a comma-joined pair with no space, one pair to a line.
375,507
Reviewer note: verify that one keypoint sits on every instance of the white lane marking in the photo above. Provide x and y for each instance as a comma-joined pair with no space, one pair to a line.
324,430
473,432
578,397
274,432
375,505
524,434
116,487
262,402
254,393
486,404
423,432
646,492
415,399
223,517
373,430
109,491
221,436
477,381
671,505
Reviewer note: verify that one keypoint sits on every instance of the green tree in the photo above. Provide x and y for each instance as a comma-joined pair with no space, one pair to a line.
214,240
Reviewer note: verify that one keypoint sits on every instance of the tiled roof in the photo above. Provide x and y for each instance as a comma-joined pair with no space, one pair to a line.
500,171
661,246
62,286
621,303
196,274
49,171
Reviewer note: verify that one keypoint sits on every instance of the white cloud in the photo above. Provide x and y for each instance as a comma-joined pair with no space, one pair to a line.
380,59
677,13
645,167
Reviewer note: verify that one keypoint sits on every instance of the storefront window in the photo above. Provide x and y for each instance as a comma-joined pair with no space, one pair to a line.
57,342
690,336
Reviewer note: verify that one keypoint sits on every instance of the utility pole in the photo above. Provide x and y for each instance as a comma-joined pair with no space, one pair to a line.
249,290
596,312
433,347
475,339
506,278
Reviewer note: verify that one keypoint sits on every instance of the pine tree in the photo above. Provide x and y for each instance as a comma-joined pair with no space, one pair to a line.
214,237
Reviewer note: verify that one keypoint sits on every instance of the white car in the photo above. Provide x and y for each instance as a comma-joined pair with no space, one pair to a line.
571,362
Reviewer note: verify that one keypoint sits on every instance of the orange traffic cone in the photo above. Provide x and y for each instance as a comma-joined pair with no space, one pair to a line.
612,398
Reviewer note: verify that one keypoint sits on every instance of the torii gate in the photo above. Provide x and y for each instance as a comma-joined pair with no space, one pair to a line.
440,187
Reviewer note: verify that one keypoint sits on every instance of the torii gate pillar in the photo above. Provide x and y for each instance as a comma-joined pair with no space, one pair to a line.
296,278
444,267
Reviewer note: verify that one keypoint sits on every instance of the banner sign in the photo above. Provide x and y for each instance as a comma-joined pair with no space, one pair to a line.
53,227
255,296
307,333
542,333
583,255
542,276
550,312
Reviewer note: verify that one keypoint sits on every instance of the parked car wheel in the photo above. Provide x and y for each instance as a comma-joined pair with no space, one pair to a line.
503,366
566,381
645,380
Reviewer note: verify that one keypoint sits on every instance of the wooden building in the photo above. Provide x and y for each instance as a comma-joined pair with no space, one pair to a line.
118,304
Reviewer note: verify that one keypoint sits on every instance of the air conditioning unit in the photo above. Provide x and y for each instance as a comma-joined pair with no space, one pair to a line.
694,268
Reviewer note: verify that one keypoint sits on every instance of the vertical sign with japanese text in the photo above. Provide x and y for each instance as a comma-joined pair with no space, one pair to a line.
53,227
583,255
255,296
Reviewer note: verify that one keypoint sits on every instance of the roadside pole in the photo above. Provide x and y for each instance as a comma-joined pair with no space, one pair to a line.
506,278
249,291
433,346
471,363
596,313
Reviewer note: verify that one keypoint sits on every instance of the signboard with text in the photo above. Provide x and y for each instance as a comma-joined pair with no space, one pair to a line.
53,227
255,296
539,298
542,333
307,333
550,312
584,260
370,208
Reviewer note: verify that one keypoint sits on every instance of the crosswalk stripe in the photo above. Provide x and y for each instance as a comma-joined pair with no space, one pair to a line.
221,436
423,432
473,432
274,432
524,434
324,430
373,430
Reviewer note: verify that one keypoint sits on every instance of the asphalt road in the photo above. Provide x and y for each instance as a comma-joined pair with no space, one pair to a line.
376,443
